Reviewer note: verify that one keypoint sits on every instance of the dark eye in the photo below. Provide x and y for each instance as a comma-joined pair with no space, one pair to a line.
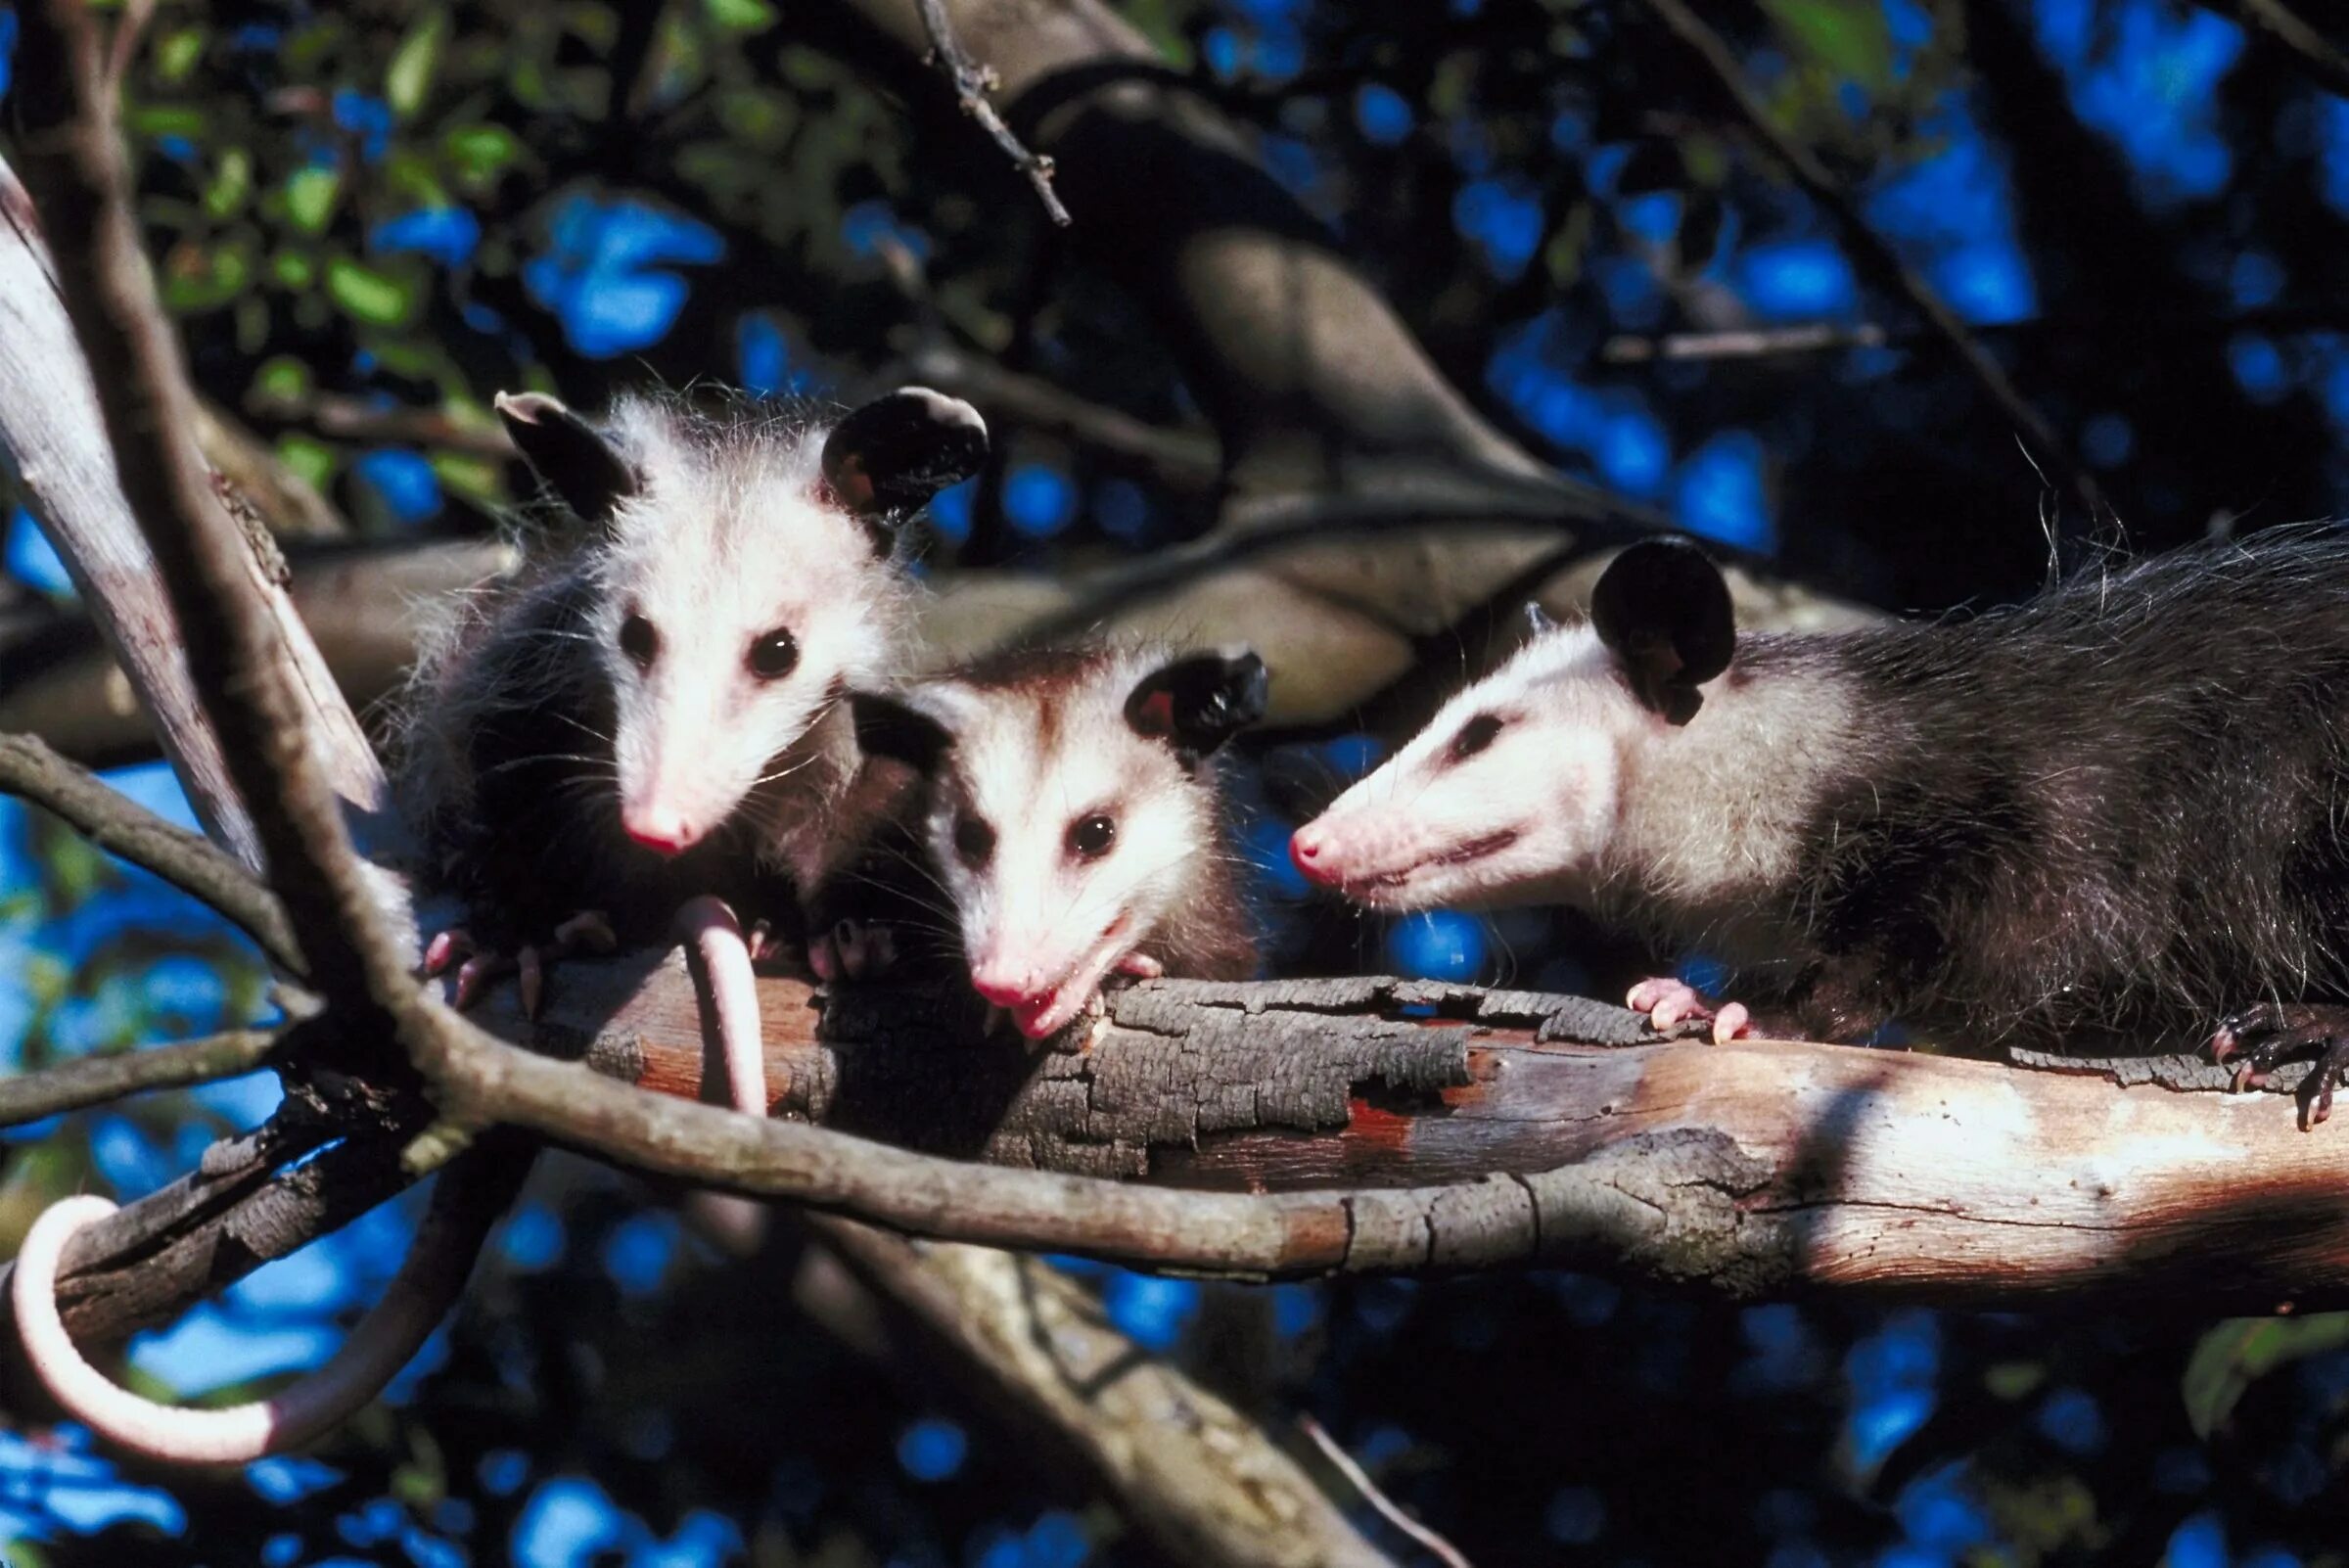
1474,736
1090,837
639,641
974,840
775,655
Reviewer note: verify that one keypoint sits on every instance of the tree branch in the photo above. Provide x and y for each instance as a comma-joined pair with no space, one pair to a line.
972,82
2326,64
1442,1551
236,650
94,1080
1875,253
1196,1477
120,826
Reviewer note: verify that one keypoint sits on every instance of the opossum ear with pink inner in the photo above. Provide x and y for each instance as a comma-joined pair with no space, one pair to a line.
570,456
893,728
884,462
1200,701
1663,610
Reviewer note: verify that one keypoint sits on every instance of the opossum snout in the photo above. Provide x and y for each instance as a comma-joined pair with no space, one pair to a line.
1008,985
1308,852
660,827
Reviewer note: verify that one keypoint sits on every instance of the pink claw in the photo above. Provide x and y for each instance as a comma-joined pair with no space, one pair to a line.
823,958
446,947
1140,965
1732,1021
475,974
1670,1002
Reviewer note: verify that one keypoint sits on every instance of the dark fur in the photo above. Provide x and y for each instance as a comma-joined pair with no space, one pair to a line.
2119,807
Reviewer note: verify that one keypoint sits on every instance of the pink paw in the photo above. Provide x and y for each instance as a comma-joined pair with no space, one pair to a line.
1139,965
588,930
1668,1003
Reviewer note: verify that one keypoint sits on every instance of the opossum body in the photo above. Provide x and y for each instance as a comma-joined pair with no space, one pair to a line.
650,709
1069,814
649,715
2112,812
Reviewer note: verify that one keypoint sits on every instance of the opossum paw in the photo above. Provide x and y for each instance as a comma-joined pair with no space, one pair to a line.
476,973
1732,1021
1140,966
1670,1003
445,949
2259,1040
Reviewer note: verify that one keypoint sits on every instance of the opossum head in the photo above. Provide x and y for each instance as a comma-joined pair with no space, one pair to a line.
741,579
1071,805
1511,794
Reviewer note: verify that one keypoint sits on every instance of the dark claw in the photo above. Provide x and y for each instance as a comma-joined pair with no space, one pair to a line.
2259,1040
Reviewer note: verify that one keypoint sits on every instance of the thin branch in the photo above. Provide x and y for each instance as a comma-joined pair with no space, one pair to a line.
120,826
2329,65
340,416
1745,343
1876,255
1442,1551
236,659
972,82
94,1080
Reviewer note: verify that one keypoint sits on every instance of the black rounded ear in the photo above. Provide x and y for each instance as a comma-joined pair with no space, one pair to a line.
570,456
891,727
1536,619
887,459
1663,610
1200,701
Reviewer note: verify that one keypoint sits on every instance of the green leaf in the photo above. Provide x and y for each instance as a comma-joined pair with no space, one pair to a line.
1850,37
311,197
2013,1380
415,63
155,120
2238,1354
367,294
741,16
231,184
294,270
282,378
312,460
481,151
177,54
200,278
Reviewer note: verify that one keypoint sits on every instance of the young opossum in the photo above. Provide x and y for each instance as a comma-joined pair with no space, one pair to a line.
650,718
650,711
2112,814
1070,814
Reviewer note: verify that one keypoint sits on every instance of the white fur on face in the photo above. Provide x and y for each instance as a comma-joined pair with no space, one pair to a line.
725,545
1042,924
1508,796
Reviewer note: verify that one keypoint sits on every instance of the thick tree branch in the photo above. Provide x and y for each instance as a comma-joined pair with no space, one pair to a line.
120,826
1197,1478
236,650
96,1080
1875,253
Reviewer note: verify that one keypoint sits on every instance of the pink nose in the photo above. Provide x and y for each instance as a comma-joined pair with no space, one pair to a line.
1003,986
1306,849
660,829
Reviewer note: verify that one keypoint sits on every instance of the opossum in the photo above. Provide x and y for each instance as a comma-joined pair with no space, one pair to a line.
650,710
2115,813
647,719
1070,816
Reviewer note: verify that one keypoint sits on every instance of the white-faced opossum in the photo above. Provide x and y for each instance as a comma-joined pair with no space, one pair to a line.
648,716
650,710
1071,818
2113,813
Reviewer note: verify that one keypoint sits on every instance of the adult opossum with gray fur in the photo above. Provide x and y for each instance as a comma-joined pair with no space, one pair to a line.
2113,813
1068,815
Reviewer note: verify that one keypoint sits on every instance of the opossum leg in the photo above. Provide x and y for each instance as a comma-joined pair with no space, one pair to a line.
714,945
1669,1003
2259,1040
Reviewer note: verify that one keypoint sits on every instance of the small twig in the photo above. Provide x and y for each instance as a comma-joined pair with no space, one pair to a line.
1750,343
2282,23
972,82
120,826
1874,253
96,1080
1388,1509
124,44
